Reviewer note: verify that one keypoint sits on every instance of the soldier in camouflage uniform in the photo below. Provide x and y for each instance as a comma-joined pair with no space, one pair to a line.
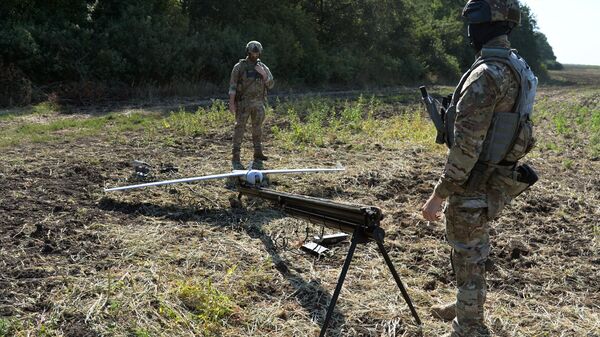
490,130
250,80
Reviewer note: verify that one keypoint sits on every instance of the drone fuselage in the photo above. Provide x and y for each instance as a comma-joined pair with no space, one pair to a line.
252,177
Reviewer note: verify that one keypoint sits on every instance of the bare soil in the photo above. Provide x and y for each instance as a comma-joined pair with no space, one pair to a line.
75,261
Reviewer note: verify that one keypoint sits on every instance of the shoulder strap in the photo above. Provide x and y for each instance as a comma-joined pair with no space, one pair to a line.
241,69
501,55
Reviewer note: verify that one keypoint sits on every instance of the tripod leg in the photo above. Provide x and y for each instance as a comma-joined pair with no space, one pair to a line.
386,257
338,287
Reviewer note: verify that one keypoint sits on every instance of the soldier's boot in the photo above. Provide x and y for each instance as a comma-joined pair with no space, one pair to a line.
236,162
475,331
233,182
259,155
237,165
446,312
257,164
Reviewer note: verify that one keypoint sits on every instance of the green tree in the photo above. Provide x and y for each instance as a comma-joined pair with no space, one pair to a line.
307,42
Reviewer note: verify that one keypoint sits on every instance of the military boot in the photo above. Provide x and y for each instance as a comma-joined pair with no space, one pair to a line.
257,165
259,155
233,182
446,312
236,162
237,165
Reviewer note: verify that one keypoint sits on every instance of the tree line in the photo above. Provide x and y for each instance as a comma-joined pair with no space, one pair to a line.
46,45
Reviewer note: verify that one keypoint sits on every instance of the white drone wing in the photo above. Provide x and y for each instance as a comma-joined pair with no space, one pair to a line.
250,176
237,173
311,170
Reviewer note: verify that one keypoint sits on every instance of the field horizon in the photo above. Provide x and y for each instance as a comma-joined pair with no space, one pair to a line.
179,260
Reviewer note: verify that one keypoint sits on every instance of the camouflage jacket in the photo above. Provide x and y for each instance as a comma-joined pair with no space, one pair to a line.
491,87
247,84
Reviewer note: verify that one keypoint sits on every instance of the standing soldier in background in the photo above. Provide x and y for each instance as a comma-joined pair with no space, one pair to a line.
250,80
487,129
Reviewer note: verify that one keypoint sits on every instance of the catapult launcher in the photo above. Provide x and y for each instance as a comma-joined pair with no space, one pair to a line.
360,221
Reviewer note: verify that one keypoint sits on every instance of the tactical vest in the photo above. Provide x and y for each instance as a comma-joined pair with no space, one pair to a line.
250,86
510,135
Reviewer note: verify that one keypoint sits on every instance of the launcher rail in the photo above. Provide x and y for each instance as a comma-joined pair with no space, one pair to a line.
363,222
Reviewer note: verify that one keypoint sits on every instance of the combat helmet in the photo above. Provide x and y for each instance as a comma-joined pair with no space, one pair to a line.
481,11
254,46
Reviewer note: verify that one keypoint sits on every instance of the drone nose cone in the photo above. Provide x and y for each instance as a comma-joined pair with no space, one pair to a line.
254,177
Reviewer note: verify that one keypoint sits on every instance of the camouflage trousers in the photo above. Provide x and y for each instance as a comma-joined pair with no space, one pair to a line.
468,220
243,113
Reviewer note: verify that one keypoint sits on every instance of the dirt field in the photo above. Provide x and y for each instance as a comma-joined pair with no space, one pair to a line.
179,261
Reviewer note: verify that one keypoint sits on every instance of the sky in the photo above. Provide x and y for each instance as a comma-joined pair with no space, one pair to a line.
572,28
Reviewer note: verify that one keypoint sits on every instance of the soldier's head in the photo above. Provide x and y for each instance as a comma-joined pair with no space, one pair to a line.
253,50
488,19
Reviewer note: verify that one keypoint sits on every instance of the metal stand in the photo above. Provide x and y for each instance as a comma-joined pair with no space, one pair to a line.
363,222
360,237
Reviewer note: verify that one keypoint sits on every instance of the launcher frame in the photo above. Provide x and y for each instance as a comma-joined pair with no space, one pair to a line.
363,222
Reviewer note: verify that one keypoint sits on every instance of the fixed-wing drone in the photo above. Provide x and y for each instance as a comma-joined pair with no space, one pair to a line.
363,222
251,177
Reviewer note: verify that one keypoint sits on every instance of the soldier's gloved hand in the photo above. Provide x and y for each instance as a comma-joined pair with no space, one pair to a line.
432,209
259,69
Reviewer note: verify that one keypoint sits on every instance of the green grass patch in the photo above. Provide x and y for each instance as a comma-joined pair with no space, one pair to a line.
410,127
194,124
169,313
560,123
327,122
572,117
209,305
568,164
45,109
6,327
178,123
139,332
72,128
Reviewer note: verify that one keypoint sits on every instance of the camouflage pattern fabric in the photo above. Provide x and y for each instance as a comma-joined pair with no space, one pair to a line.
491,87
501,10
467,231
243,113
247,84
250,92
505,10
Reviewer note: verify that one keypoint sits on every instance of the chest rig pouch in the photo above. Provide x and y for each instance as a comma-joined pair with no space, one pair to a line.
250,85
510,136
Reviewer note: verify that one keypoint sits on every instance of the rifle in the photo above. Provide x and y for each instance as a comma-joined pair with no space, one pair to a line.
363,222
437,113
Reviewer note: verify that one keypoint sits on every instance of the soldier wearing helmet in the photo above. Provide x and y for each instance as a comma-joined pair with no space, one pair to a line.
488,130
250,80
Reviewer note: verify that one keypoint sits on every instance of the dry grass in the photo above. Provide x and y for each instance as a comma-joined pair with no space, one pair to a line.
178,261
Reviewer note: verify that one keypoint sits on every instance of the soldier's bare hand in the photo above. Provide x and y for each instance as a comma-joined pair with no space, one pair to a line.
259,69
432,209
